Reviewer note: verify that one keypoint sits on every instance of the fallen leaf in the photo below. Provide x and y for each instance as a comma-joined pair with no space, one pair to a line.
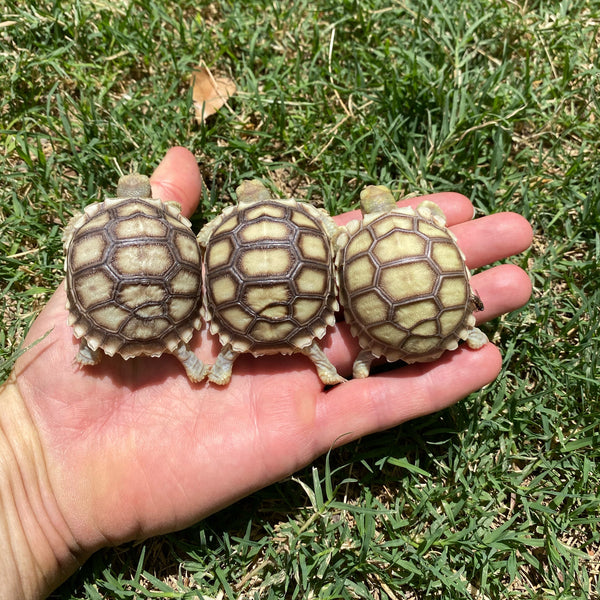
209,92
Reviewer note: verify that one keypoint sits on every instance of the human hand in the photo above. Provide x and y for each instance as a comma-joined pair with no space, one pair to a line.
128,449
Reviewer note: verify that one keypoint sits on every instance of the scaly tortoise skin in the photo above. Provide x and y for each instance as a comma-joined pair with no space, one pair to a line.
134,278
270,280
404,284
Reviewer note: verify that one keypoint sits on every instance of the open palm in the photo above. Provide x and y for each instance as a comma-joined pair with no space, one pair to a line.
132,448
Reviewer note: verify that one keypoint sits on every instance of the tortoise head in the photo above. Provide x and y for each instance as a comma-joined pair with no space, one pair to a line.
252,190
134,186
375,199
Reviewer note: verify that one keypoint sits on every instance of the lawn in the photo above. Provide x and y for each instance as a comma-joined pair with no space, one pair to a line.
497,497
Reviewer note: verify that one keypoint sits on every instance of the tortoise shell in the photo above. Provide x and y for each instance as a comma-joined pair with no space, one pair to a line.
270,275
133,277
404,284
270,284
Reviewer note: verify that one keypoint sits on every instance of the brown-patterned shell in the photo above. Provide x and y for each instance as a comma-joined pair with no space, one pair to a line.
270,283
404,285
134,277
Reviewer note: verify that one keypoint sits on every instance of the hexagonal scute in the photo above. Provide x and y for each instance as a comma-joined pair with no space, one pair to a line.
138,227
304,310
269,209
391,222
268,261
360,242
224,289
370,308
398,245
219,254
429,328
313,247
310,280
359,273
271,333
268,302
134,207
89,251
388,334
145,329
258,231
93,288
417,345
447,256
110,317
301,219
408,280
431,230
454,291
131,295
187,247
410,315
186,281
235,318
180,309
97,222
452,320
145,259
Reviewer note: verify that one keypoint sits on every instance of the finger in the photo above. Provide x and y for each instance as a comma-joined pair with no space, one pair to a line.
502,289
363,406
177,179
456,207
494,237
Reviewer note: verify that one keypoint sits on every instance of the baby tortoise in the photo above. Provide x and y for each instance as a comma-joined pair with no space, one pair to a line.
134,278
270,280
404,284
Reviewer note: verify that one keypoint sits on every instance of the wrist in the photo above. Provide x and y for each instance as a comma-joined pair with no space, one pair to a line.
39,551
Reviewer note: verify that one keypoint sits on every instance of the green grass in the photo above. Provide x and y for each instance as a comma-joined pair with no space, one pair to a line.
497,497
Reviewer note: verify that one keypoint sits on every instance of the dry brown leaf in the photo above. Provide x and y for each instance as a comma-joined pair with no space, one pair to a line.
210,93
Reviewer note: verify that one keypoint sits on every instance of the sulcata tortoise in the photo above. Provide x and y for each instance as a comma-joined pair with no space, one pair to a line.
270,280
404,284
134,278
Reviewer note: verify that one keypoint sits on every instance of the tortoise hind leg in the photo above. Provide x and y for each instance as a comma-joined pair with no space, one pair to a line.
362,364
220,372
86,355
196,370
326,371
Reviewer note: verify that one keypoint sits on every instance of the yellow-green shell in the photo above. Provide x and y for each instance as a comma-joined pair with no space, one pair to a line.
270,280
404,285
134,277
